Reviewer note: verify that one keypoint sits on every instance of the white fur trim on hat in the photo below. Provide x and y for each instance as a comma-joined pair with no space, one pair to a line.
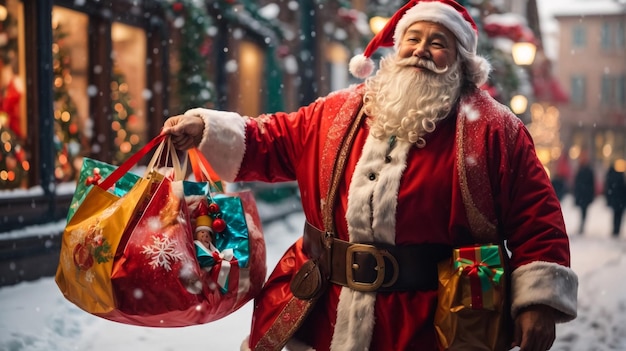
203,227
477,68
443,14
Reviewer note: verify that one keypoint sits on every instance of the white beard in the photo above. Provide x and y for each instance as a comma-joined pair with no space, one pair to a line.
408,103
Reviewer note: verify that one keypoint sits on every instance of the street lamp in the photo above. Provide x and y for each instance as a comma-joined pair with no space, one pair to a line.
523,53
519,104
377,23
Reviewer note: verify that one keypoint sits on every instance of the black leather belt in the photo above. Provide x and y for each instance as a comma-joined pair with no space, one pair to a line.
375,266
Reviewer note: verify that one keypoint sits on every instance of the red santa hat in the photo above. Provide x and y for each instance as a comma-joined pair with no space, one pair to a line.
448,13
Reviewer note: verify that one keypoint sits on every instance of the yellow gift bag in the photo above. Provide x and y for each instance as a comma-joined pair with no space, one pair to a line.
93,234
473,311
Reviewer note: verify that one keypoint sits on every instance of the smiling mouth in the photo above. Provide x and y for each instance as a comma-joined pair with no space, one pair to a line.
430,67
422,68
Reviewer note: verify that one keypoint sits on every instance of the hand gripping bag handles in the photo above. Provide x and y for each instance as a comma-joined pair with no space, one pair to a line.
131,258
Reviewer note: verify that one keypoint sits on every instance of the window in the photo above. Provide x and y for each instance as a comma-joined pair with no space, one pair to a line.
606,93
251,59
578,91
579,37
72,132
613,91
58,108
128,90
620,91
620,36
337,57
605,36
76,133
14,131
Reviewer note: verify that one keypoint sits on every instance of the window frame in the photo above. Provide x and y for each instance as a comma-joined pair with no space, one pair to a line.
48,204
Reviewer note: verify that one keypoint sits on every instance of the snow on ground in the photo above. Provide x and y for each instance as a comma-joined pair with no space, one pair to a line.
35,316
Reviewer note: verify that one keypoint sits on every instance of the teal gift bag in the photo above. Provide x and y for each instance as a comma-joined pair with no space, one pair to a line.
230,210
91,173
235,260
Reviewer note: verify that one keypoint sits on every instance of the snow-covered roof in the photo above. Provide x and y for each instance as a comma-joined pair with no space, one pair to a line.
594,7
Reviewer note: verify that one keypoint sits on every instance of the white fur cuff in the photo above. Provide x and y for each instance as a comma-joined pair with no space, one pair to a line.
224,140
545,283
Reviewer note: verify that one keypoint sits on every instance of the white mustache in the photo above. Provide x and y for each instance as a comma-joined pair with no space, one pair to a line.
423,63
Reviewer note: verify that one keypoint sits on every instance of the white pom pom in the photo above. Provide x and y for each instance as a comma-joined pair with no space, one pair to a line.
361,66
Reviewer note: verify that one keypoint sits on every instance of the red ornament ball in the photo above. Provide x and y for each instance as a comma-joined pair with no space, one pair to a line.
214,208
178,6
219,225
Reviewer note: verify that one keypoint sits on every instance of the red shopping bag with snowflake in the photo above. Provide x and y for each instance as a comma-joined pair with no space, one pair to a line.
132,258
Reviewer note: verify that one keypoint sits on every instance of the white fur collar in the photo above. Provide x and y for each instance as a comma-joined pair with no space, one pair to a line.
371,217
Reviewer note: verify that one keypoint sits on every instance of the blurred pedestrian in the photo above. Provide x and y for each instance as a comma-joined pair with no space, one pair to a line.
615,192
562,177
584,188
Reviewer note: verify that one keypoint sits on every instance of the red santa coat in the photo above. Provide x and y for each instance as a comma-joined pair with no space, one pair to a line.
415,199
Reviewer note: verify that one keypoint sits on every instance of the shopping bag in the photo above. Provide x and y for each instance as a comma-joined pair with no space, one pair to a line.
473,310
130,257
91,173
236,268
91,239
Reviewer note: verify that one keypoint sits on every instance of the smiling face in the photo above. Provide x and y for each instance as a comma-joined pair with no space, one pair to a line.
205,237
429,41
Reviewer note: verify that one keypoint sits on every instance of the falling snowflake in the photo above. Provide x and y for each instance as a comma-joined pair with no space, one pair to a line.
163,252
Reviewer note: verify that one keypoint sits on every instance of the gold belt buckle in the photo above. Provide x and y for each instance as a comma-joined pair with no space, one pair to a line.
379,255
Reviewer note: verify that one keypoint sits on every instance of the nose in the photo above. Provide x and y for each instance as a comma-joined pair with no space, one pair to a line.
421,51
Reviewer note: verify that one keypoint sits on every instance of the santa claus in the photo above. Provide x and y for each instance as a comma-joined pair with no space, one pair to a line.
394,174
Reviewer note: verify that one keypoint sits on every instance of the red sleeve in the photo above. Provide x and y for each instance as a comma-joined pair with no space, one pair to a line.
529,210
274,143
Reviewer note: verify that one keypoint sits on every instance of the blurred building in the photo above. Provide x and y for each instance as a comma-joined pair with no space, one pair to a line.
592,67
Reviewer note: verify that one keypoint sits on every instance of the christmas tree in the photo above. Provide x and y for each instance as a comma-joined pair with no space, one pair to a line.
125,121
195,87
14,165
66,131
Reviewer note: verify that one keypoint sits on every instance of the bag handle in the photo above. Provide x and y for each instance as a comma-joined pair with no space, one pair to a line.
202,170
169,156
130,163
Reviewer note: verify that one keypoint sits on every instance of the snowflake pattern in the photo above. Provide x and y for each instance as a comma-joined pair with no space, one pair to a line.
162,252
90,276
